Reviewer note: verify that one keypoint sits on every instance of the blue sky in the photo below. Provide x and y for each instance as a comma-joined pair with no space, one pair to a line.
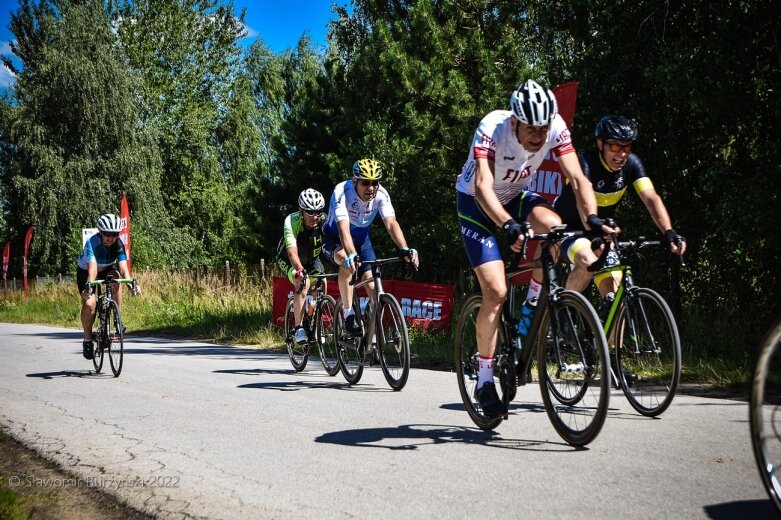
278,24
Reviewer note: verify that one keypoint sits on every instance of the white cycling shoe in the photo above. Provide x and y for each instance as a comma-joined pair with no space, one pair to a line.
300,336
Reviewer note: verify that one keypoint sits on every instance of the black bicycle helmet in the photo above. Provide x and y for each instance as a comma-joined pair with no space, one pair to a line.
616,127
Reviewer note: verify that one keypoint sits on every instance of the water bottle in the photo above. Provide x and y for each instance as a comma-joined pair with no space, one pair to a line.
310,305
527,311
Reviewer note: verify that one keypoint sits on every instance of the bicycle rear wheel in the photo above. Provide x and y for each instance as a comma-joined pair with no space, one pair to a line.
765,412
467,364
350,349
326,337
298,354
97,356
647,346
572,358
116,339
393,342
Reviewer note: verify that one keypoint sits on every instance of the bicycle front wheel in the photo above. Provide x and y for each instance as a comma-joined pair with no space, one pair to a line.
467,363
350,350
648,351
326,336
116,339
765,412
298,354
393,342
574,378
97,356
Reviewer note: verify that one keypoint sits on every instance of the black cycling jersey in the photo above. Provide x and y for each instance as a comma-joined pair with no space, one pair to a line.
609,186
308,241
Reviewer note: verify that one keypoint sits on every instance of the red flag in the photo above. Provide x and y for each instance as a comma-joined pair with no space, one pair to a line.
6,261
124,234
566,94
28,237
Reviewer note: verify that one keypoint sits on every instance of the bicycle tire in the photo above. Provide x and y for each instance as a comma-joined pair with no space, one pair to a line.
349,349
393,342
765,412
576,393
467,368
298,354
649,347
116,338
97,355
326,337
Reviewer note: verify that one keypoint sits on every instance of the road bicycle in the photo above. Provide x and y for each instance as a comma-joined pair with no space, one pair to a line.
319,327
385,339
110,333
765,411
643,337
569,344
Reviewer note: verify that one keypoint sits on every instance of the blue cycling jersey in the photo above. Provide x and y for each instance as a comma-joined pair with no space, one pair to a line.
95,251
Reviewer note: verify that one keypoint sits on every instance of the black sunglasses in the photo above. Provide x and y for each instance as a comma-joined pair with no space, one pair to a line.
366,183
109,235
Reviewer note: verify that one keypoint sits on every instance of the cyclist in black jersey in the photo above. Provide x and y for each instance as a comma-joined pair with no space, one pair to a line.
611,167
300,248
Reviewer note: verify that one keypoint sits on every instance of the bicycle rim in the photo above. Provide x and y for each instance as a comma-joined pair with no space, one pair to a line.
116,339
765,412
393,342
349,350
574,378
649,348
97,357
467,367
326,336
298,354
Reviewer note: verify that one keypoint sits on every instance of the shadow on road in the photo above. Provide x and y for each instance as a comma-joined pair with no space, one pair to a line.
411,436
71,373
751,509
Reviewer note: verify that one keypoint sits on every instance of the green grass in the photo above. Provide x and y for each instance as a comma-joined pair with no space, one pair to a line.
173,304
13,506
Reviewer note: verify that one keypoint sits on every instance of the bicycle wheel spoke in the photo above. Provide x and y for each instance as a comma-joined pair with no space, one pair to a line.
326,335
393,342
350,351
115,342
297,353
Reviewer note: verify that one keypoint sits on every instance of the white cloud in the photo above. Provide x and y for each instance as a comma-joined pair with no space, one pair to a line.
7,78
249,32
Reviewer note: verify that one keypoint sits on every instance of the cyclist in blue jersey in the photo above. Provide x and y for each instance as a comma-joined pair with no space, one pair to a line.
354,204
300,248
104,254
611,167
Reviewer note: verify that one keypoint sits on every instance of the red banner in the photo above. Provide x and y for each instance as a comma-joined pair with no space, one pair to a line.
548,179
6,261
28,237
426,306
124,233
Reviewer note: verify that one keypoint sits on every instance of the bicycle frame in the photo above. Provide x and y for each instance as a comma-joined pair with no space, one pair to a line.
372,305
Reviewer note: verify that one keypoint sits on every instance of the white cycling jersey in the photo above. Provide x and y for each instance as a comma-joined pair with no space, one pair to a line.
346,204
495,140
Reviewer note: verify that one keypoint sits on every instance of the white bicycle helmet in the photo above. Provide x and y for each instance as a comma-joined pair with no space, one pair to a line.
311,200
109,223
533,105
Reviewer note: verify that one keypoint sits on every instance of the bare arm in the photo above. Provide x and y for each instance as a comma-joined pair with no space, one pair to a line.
581,186
485,194
658,211
397,235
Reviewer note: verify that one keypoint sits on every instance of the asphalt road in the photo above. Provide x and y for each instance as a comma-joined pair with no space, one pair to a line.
197,430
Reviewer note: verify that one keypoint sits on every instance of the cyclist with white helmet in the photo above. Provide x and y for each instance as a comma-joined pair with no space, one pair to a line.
103,254
354,205
300,248
611,167
507,147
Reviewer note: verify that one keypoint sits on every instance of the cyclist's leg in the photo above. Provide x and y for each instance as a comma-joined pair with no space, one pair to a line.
536,210
578,252
88,305
284,265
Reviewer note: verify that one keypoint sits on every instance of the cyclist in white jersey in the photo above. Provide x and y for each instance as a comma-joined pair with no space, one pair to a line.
507,147
354,204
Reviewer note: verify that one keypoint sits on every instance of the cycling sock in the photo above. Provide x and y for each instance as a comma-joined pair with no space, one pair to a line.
347,312
486,371
535,288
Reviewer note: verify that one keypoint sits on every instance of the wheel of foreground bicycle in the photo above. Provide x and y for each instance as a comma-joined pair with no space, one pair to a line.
467,368
765,412
349,349
298,354
115,342
97,355
393,342
326,335
649,347
576,391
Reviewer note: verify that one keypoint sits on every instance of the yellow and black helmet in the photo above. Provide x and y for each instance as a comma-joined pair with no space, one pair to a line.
368,169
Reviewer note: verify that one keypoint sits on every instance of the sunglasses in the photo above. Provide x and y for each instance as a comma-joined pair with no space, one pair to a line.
312,213
366,184
616,147
110,235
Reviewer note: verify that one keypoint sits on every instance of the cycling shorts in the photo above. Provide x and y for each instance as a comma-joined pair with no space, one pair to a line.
478,231
365,250
283,262
81,275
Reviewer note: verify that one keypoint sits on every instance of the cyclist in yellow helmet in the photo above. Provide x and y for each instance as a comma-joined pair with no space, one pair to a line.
354,204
